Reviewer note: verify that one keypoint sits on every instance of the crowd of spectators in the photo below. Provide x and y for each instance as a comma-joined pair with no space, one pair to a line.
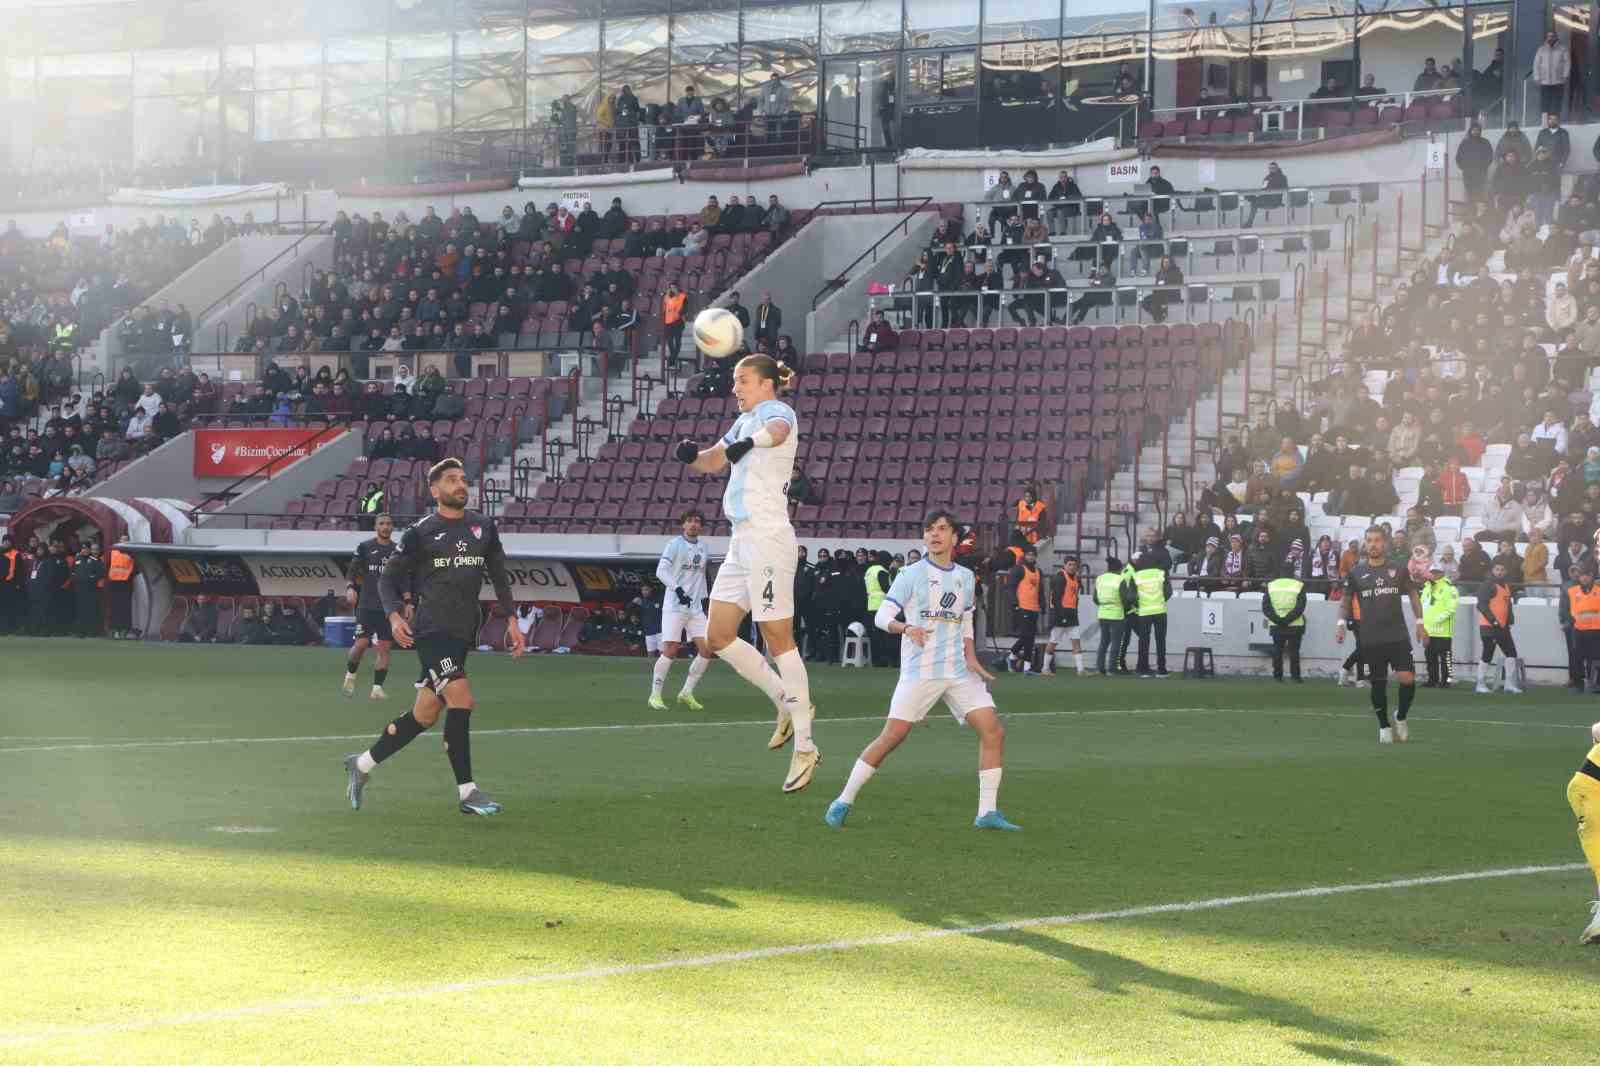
1465,396
461,284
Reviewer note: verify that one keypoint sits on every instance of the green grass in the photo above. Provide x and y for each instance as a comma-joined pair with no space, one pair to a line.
131,931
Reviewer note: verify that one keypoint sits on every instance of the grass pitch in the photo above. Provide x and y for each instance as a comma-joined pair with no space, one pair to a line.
181,880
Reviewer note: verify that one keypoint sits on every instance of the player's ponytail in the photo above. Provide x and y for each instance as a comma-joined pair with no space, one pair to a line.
781,374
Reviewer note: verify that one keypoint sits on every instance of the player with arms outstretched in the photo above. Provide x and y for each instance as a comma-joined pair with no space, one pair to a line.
1382,589
372,625
682,571
443,559
937,661
757,574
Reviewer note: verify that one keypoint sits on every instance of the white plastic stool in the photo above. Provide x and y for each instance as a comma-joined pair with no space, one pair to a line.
855,651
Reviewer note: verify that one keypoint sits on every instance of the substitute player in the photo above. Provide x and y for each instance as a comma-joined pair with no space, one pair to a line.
757,574
937,661
682,570
372,625
1496,616
1382,588
1583,794
443,559
1064,626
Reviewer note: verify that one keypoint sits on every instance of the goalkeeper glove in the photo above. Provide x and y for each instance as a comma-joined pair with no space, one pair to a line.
687,451
683,597
738,449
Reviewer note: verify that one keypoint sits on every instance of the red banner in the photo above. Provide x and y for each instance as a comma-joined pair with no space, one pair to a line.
247,452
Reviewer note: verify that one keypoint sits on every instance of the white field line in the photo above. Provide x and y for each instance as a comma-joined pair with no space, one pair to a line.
726,958
1289,712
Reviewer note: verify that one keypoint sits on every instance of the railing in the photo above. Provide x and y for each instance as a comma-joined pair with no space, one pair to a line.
549,148
1135,303
1078,214
311,227
902,225
1286,118
1235,246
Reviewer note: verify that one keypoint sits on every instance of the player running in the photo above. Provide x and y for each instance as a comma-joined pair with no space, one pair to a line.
937,661
757,575
682,570
1382,588
372,625
1583,794
443,559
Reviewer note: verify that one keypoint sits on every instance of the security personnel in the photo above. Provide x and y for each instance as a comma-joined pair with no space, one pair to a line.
1440,598
47,583
12,565
1130,621
65,336
371,507
877,582
1284,606
88,581
1154,589
119,579
1113,594
1030,513
1580,610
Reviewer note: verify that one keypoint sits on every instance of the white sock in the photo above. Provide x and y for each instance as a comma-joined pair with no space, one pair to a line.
797,697
860,774
466,789
1077,659
752,666
366,763
697,670
658,677
988,790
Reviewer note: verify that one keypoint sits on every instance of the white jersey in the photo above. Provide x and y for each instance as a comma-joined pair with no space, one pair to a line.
940,600
758,484
683,566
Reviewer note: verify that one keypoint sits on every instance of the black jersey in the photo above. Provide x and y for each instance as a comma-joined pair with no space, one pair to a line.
366,567
443,561
1381,593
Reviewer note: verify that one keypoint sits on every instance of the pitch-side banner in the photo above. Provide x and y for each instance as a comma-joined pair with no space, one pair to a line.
310,574
246,452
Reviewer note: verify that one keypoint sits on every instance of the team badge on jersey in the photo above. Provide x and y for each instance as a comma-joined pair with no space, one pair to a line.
477,532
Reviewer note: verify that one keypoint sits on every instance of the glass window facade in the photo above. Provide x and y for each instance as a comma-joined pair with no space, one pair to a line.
104,80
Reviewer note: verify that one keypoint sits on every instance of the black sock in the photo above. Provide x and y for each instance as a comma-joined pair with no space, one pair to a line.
351,666
379,675
400,732
1380,702
458,743
1407,693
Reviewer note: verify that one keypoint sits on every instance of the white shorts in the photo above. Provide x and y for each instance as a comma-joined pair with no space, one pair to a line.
758,572
652,643
913,699
1065,634
679,621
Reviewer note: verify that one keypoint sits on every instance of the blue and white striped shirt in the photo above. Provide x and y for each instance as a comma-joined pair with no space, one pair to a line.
758,484
940,600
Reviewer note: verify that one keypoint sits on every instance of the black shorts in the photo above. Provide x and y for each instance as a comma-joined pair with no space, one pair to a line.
374,625
1382,658
443,661
1064,617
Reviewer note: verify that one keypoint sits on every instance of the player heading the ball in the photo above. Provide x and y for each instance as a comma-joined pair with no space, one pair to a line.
757,574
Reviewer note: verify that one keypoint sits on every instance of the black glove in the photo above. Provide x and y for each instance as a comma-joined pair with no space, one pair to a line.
737,449
687,451
683,597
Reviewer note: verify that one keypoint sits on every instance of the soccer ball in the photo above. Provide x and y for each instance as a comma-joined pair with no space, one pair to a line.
717,332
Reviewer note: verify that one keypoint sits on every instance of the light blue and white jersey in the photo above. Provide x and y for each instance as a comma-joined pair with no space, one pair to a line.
940,600
683,566
758,484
